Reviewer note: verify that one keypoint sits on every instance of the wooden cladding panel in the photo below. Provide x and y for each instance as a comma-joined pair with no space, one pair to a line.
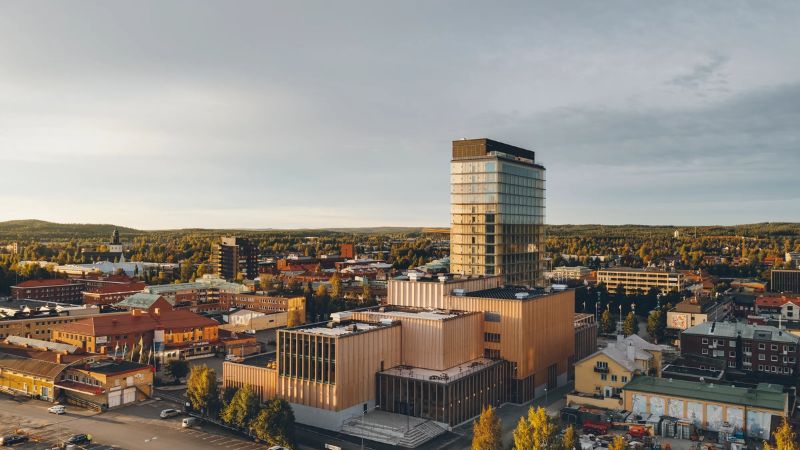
263,380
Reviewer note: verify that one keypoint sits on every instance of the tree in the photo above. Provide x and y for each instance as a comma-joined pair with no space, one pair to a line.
568,441
177,369
487,431
366,291
537,432
606,322
274,424
242,408
293,318
631,324
202,390
655,327
336,286
322,291
618,443
785,438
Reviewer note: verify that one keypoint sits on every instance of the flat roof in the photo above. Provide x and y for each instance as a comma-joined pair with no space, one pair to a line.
339,328
746,331
764,396
442,376
508,292
639,270
414,313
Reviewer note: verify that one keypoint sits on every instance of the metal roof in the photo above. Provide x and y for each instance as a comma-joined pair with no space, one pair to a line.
40,344
764,396
139,300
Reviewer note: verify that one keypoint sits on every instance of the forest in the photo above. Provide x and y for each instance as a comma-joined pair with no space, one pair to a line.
730,251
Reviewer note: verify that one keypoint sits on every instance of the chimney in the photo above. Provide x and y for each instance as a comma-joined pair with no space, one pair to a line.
58,358
631,352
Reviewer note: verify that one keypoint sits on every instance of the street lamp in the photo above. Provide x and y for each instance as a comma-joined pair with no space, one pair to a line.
545,398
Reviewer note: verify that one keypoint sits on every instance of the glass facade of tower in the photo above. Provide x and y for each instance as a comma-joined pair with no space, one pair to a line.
497,216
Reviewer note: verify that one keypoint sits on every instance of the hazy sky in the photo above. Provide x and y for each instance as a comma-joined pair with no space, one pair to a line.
336,113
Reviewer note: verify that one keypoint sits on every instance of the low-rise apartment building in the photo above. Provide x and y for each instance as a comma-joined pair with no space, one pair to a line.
749,348
641,280
53,290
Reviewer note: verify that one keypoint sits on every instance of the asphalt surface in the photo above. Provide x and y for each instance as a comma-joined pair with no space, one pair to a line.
131,427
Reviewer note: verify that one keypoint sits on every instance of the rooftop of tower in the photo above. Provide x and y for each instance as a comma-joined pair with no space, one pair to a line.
471,148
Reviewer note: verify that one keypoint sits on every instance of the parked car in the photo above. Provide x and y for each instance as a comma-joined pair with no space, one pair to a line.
250,331
57,409
12,439
233,358
77,439
188,422
167,413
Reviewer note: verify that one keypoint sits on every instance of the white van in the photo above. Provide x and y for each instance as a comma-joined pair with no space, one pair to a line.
188,422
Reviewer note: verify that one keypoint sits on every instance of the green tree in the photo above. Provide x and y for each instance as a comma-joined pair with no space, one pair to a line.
785,438
202,390
487,432
606,322
630,325
186,270
242,408
655,327
177,369
568,440
274,424
536,432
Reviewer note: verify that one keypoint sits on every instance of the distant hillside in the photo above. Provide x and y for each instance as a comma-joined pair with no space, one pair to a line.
40,230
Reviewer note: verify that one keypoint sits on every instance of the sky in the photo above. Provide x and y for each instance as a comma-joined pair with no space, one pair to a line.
286,114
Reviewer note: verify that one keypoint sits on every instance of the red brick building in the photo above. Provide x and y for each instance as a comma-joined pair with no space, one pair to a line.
52,290
112,293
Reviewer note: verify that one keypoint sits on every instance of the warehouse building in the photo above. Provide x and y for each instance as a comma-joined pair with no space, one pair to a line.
754,411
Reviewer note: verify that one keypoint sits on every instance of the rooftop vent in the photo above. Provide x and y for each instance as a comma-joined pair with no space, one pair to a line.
413,276
521,295
458,292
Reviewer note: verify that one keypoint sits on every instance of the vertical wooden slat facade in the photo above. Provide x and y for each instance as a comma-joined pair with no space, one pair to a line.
535,334
436,344
334,372
263,380
431,294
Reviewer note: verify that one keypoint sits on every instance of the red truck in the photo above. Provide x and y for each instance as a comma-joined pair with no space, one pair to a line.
598,428
638,432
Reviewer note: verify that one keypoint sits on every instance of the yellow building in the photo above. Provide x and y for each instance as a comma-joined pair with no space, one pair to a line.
51,371
600,377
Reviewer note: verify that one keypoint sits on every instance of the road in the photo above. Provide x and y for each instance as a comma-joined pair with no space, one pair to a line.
132,427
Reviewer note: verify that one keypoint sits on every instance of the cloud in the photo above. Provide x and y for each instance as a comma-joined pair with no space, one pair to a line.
704,79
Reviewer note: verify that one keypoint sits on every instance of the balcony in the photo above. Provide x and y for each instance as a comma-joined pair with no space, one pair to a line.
601,369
